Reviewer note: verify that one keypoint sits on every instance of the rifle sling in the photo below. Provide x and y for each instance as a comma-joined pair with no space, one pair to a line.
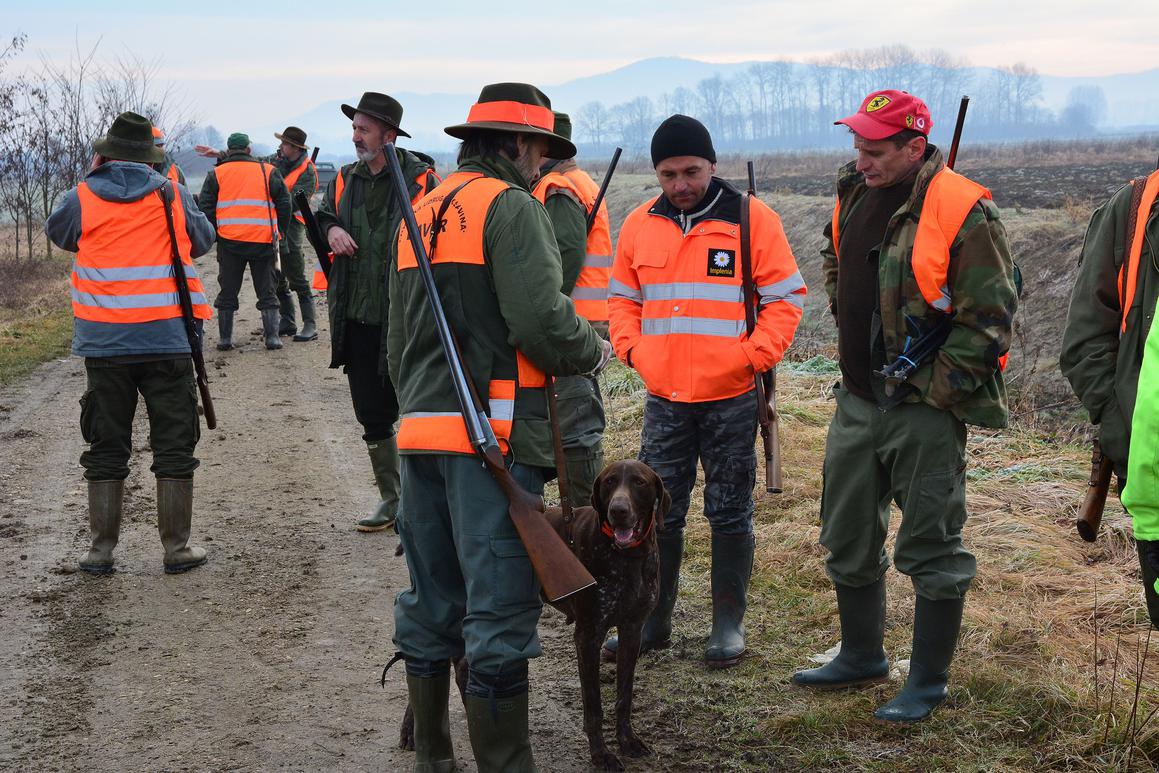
1137,186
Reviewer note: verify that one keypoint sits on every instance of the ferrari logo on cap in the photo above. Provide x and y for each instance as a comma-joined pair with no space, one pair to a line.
877,103
909,122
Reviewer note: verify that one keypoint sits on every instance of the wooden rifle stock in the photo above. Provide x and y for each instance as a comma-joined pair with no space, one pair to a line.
765,383
559,571
1091,513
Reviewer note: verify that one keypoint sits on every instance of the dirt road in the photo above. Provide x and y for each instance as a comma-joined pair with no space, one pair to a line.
267,657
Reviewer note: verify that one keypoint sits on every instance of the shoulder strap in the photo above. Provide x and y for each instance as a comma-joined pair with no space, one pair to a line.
436,226
1137,186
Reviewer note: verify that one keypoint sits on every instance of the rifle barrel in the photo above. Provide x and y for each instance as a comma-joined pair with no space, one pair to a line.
953,156
603,188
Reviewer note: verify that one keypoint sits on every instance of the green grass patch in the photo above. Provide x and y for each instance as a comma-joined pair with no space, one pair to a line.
26,343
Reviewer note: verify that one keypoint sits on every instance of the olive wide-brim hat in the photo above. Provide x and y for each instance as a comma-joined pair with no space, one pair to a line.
294,136
515,107
130,138
381,106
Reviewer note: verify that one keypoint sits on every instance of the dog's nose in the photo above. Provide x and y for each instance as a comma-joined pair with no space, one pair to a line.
619,507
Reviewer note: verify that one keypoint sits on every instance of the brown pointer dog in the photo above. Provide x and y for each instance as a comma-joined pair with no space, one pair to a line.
615,539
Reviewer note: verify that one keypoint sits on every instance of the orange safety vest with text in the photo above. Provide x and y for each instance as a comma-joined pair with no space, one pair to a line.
245,211
590,294
443,429
1129,273
292,178
123,272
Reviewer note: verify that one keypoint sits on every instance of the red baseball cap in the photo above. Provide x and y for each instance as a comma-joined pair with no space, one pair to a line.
885,113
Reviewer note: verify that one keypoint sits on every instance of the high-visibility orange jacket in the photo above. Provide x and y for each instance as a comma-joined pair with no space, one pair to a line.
590,293
675,303
1129,273
291,179
245,210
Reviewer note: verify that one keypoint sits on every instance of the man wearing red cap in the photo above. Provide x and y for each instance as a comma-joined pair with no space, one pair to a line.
912,248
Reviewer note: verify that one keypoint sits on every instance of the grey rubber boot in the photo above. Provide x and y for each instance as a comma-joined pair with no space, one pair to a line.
287,325
732,567
270,328
862,658
936,627
174,518
432,724
658,627
499,733
309,331
384,462
105,498
224,329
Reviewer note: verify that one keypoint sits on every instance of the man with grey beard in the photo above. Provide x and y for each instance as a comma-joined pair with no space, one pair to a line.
360,219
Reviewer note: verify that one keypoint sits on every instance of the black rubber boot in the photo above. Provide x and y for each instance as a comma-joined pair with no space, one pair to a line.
174,520
732,567
862,658
658,627
270,328
105,497
936,627
432,725
224,329
287,324
499,733
309,331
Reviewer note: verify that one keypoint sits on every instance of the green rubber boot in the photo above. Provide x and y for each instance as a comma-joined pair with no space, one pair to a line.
287,324
309,331
936,627
732,567
105,497
174,519
384,463
499,733
862,658
432,729
658,627
224,329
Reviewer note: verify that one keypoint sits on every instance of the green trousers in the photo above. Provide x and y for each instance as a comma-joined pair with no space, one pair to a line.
472,589
293,273
581,425
914,455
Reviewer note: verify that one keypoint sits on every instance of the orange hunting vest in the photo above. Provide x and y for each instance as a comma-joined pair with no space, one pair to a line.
245,211
173,174
292,179
461,242
123,273
1129,273
590,293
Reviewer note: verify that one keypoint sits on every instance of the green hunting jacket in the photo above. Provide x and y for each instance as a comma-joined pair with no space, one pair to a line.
308,181
964,378
1102,367
512,301
357,286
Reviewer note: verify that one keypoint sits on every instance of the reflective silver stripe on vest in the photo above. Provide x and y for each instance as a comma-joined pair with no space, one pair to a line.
502,410
243,221
617,289
430,414
144,301
242,203
589,294
701,291
943,303
597,261
702,326
129,273
779,291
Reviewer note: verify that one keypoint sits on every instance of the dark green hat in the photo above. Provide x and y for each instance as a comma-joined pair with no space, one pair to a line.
562,124
238,141
515,107
381,106
130,138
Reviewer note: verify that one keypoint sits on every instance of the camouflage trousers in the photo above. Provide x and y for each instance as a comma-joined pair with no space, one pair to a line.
722,435
914,455
292,275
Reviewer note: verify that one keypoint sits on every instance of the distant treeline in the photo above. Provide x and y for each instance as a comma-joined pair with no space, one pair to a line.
789,105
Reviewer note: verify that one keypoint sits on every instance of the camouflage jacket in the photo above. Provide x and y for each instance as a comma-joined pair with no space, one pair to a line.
964,378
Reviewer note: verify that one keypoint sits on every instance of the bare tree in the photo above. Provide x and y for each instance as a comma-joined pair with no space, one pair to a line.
592,118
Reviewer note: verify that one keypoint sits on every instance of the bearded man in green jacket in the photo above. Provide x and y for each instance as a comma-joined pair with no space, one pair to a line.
498,272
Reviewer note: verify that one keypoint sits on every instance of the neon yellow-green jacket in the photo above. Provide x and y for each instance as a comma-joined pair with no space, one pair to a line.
1141,496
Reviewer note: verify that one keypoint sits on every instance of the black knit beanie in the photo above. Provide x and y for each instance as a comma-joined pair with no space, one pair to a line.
681,135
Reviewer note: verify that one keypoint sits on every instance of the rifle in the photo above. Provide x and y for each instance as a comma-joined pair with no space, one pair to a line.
766,383
1091,512
186,302
314,233
314,155
560,573
921,346
603,188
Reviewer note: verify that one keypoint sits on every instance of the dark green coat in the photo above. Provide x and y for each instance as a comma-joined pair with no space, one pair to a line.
279,196
1103,368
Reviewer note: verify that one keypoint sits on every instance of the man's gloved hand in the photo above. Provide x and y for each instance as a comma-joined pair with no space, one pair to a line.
606,355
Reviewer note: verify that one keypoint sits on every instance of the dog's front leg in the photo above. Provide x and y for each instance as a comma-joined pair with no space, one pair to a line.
626,656
587,647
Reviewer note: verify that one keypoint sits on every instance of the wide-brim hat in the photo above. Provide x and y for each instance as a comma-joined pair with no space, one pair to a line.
381,106
514,107
130,138
294,136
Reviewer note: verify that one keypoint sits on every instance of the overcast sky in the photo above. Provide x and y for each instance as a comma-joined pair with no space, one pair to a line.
282,58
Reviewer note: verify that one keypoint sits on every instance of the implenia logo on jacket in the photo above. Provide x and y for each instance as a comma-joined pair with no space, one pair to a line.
721,262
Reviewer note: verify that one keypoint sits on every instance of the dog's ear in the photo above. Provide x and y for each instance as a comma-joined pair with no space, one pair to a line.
663,501
597,498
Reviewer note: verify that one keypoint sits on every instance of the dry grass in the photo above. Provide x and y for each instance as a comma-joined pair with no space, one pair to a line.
35,317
